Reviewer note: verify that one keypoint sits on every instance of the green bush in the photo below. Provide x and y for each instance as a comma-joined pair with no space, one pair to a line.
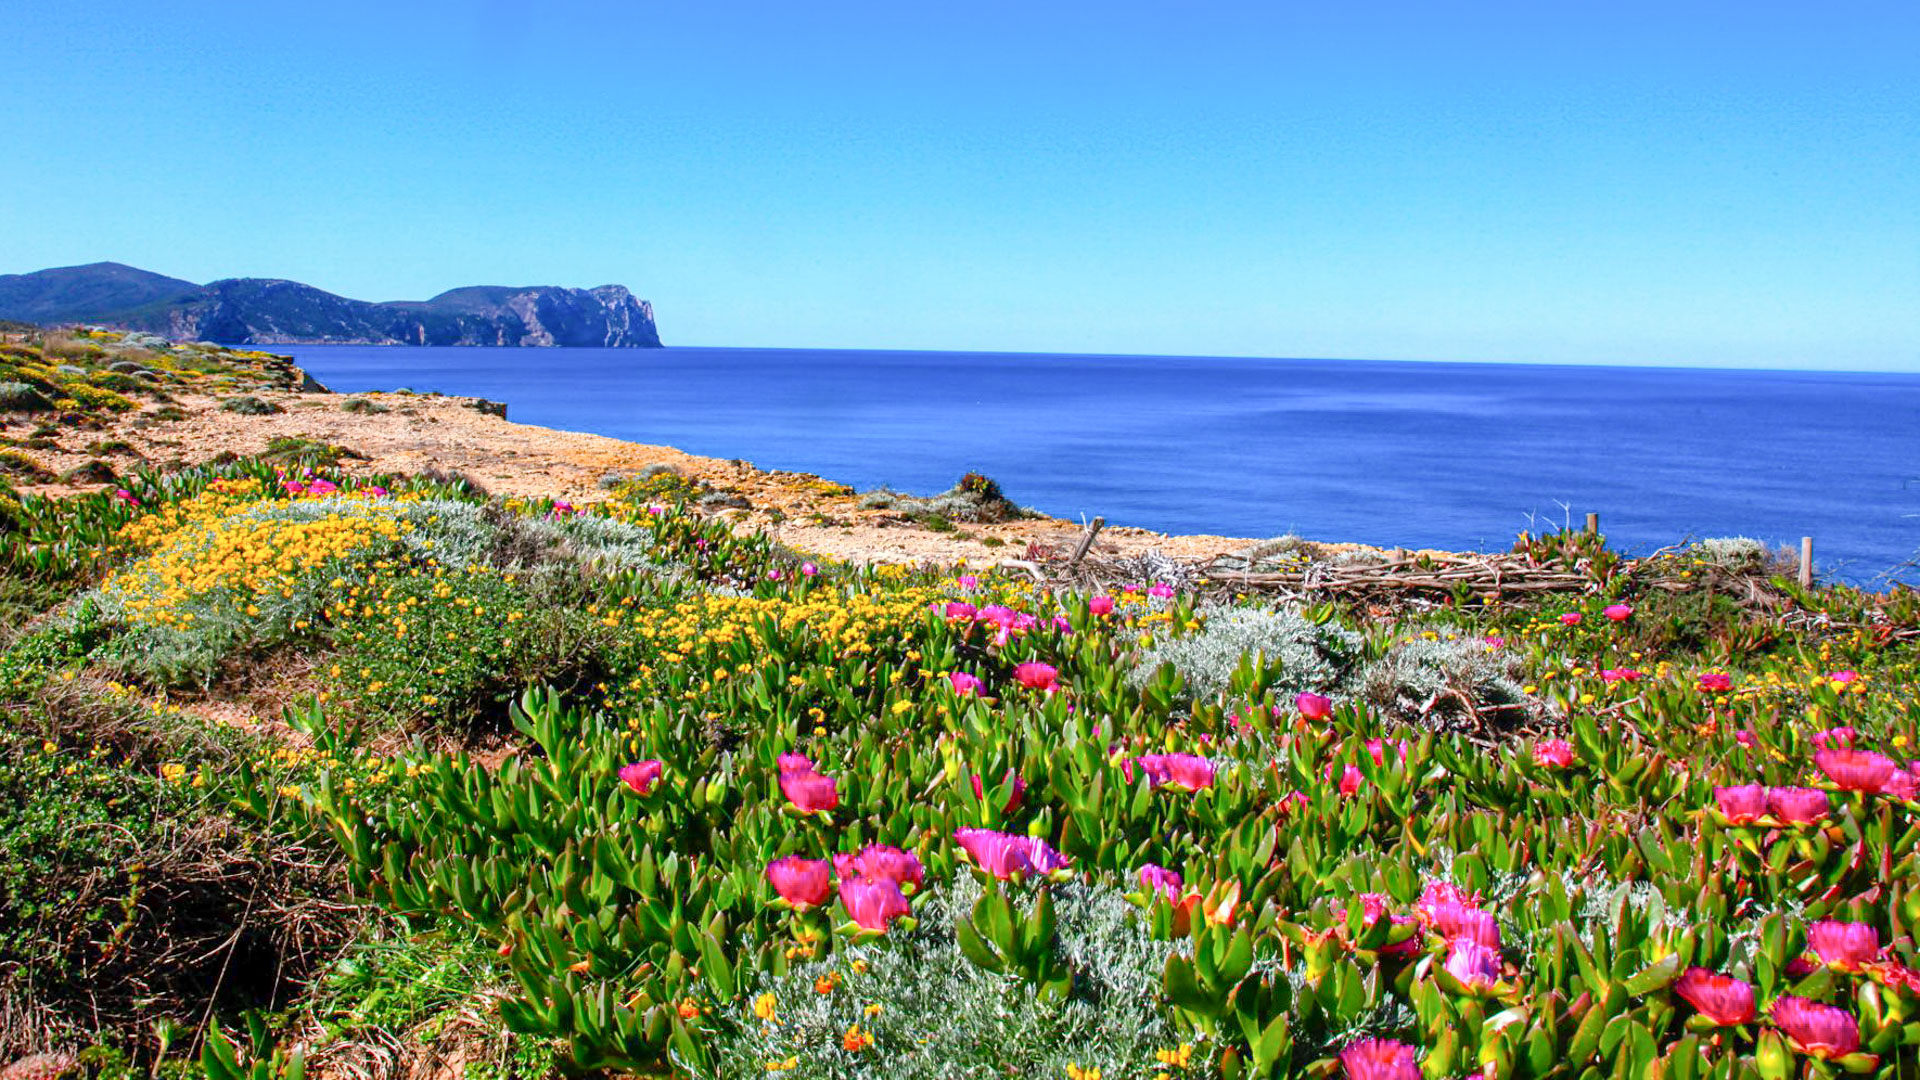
20,397
248,405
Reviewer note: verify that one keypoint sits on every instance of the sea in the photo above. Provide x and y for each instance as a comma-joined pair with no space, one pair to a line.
1447,455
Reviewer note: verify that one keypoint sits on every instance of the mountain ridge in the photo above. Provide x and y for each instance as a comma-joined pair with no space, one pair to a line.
278,311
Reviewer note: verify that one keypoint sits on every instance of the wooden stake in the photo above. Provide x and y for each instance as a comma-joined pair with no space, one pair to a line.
1086,542
1593,524
1806,562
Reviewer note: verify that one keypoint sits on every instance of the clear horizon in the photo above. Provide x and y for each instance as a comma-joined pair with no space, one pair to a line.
1724,186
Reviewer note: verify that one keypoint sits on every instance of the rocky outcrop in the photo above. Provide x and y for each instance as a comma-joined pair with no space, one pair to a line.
269,311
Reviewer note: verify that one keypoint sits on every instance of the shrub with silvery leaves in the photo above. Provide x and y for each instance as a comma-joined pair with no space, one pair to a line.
1310,656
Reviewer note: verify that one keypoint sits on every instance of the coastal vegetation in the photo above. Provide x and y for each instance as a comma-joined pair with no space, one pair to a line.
307,769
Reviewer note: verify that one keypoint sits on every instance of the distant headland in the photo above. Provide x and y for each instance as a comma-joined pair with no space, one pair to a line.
269,311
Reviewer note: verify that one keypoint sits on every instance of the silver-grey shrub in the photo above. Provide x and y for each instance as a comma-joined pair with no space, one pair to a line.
1310,656
940,1017
1445,683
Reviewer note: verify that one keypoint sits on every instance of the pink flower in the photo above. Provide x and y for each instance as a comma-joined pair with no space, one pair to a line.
1797,805
1379,1059
641,775
1036,676
1189,772
810,791
1724,1000
1351,781
1373,908
774,575
1842,676
1100,605
1013,798
881,862
1553,754
809,569
1856,770
1821,1031
1473,963
322,487
1844,946
969,582
873,903
125,496
1840,738
1314,706
1004,855
963,683
804,883
1744,738
1495,641
1159,879
794,763
1902,785
1161,591
1742,805
1460,922
375,490
955,609
1570,618
1618,612
1614,675
1715,681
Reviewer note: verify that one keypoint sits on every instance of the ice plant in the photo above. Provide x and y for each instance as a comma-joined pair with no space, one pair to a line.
1844,946
1570,618
1553,754
873,903
809,791
881,862
1158,879
963,683
1004,855
1185,772
1742,805
1817,1030
1161,591
1314,706
1013,798
1715,681
1840,738
641,775
1036,676
1100,605
1379,1059
1855,770
1618,612
1725,1001
1797,805
803,883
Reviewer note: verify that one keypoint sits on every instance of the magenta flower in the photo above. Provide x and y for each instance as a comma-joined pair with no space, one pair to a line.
804,883
1618,612
1351,780
322,487
810,791
1902,785
1715,682
809,569
1373,908
963,683
873,903
1842,677
1189,772
1314,706
998,614
1722,999
969,582
795,763
1742,805
1844,946
1379,1059
641,775
1460,922
1377,749
1840,738
955,609
1797,805
1004,855
1159,879
1013,799
1100,605
125,496
1553,754
1614,675
1818,1030
1472,963
1495,641
1856,770
1036,676
1570,618
881,862
1161,591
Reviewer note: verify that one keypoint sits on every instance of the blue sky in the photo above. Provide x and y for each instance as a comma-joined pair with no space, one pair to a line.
1623,182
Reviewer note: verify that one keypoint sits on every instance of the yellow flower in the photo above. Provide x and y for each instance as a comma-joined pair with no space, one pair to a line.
172,772
856,1040
763,1007
1075,1072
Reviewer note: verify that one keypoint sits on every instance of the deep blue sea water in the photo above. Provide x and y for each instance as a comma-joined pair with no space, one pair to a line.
1454,456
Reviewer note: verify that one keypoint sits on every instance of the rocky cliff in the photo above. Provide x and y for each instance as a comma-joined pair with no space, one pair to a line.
268,311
